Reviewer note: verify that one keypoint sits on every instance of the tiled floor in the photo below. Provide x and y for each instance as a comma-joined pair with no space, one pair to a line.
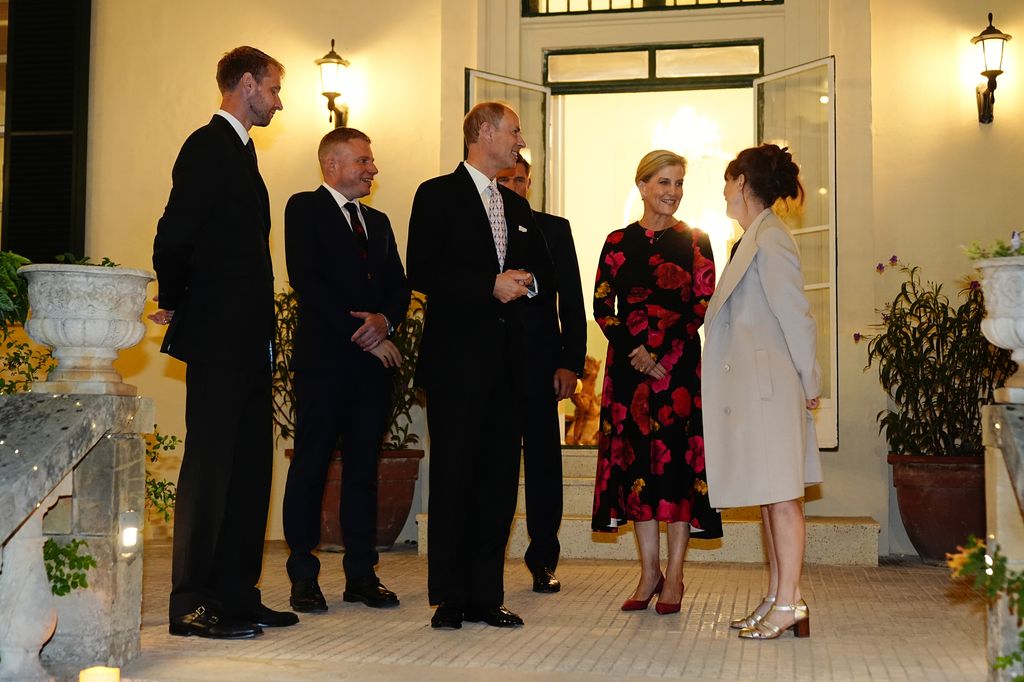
900,621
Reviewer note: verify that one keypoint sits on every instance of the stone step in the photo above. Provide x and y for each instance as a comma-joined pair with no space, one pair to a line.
831,540
579,463
577,496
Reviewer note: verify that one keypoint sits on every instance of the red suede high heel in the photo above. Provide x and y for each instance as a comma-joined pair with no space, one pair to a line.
641,604
663,609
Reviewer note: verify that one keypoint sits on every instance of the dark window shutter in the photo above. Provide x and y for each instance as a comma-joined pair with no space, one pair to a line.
45,139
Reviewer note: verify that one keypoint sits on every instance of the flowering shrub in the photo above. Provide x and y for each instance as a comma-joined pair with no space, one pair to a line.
998,250
992,578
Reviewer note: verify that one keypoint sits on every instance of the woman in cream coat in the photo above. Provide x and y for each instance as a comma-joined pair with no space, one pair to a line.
760,381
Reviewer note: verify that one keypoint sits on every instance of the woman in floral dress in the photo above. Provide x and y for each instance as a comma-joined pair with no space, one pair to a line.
654,280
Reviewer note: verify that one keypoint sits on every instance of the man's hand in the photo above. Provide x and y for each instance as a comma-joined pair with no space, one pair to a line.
522,277
161,316
387,353
565,383
373,330
813,403
507,287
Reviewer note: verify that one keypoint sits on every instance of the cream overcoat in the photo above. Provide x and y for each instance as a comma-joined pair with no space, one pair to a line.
758,369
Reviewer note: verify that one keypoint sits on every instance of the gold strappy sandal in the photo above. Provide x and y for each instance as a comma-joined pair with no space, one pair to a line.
755,617
763,629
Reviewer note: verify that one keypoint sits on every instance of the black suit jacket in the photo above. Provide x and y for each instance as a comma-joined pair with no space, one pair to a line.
451,258
551,345
212,254
331,278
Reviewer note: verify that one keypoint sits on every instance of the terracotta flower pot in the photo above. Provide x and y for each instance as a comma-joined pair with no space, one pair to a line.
396,485
941,501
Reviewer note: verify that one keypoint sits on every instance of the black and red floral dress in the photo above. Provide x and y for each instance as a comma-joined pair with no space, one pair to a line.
652,289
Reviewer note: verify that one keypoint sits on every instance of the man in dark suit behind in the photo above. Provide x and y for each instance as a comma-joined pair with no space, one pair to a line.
475,252
344,266
555,355
212,259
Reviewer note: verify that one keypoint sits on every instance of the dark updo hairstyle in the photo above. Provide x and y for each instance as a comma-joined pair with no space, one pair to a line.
770,172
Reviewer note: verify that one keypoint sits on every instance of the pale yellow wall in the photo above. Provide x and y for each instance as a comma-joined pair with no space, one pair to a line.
939,178
153,68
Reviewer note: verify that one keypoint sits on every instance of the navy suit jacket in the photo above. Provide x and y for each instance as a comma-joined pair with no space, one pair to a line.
212,254
331,278
556,322
468,334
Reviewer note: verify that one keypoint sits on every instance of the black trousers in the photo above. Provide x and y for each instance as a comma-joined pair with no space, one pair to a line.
474,479
542,469
349,411
220,514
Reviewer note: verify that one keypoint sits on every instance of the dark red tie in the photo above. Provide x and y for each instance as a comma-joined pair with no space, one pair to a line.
357,228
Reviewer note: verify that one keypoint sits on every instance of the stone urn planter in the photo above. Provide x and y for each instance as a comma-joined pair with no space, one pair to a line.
1003,285
941,501
86,313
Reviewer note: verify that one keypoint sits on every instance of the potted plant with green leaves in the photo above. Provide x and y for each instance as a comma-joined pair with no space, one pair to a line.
937,369
399,459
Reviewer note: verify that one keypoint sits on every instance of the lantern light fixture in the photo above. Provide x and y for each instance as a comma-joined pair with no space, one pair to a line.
332,66
992,41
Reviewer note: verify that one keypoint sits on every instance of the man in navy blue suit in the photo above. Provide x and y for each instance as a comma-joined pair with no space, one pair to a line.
344,266
212,259
556,342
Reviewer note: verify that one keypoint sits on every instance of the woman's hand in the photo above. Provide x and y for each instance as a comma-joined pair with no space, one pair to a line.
643,362
812,403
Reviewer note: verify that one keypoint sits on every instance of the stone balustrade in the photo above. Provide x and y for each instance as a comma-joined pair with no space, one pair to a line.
86,451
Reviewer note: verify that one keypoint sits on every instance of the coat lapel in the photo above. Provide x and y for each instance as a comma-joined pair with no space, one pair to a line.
735,269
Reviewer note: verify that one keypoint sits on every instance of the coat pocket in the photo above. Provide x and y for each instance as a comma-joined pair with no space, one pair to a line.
763,367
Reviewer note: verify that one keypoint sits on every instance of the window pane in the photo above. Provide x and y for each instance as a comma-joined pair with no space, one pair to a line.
708,61
820,308
597,66
814,256
795,114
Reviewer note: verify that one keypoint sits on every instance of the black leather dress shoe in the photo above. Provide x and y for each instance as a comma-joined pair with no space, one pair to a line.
206,623
544,580
265,617
447,617
307,597
498,617
370,591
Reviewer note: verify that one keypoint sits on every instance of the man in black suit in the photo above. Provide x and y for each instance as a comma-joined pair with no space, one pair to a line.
212,259
475,251
555,356
344,266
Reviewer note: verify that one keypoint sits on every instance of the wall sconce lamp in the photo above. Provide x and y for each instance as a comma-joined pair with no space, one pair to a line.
331,65
992,41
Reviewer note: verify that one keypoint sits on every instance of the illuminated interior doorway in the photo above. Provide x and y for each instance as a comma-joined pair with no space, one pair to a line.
604,136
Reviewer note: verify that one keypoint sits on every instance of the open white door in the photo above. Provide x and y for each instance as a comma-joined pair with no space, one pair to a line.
795,108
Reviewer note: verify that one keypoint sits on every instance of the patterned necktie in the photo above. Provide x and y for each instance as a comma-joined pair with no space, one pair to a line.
251,148
357,229
496,215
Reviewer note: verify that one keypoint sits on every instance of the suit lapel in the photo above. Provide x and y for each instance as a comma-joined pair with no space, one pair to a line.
337,224
251,171
735,269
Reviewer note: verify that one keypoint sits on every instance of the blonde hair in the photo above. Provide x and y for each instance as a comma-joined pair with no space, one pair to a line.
655,161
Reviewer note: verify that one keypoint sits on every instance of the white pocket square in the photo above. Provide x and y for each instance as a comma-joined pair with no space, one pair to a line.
522,229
